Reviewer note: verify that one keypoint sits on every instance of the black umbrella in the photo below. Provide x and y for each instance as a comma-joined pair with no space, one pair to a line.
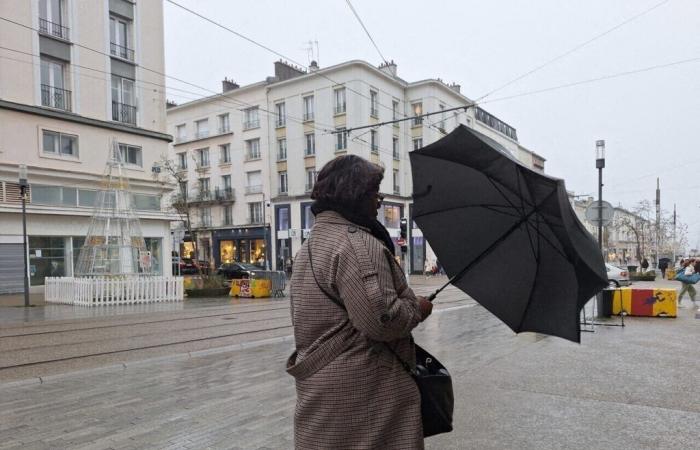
506,235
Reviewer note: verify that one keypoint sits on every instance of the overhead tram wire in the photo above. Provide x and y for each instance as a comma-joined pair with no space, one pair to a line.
357,16
574,49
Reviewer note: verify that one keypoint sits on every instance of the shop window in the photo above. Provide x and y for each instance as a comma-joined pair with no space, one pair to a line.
47,258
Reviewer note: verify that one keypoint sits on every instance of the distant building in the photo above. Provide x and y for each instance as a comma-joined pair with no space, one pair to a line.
265,142
75,81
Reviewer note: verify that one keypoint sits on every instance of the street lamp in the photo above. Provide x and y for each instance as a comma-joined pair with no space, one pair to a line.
599,164
24,189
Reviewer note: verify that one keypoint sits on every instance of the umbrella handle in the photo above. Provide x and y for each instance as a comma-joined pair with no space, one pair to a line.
432,296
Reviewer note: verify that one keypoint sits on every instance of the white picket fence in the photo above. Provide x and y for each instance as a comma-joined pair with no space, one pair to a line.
97,291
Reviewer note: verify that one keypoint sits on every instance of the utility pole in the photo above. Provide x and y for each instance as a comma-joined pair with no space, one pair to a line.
674,235
658,221
600,164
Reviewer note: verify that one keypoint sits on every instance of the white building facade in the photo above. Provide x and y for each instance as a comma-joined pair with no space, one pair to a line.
280,134
75,76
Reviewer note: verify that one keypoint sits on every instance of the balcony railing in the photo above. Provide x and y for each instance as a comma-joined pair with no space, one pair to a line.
309,151
228,221
225,194
281,156
201,134
225,129
308,116
374,112
53,29
121,51
54,97
417,121
124,113
255,220
250,156
339,109
204,222
248,124
257,189
281,122
375,149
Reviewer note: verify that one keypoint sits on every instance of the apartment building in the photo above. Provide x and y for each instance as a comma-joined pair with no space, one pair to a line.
281,131
76,75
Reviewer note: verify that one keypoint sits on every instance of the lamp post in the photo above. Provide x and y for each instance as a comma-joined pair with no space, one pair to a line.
23,189
267,245
600,164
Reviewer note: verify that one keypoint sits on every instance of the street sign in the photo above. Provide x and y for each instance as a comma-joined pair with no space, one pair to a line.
592,214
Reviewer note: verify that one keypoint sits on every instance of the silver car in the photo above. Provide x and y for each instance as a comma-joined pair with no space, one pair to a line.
617,277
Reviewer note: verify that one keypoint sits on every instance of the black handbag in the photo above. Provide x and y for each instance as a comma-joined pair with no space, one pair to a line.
432,378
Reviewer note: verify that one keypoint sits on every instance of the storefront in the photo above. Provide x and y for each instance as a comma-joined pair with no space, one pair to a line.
283,241
246,245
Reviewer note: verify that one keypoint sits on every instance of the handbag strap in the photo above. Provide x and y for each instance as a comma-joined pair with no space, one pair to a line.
337,301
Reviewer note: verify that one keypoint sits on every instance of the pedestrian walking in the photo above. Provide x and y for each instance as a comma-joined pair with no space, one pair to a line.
353,313
663,265
644,265
689,267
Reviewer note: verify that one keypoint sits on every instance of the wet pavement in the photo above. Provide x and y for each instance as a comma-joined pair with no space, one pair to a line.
626,388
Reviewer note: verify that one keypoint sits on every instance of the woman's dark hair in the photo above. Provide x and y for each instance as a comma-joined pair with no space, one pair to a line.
347,181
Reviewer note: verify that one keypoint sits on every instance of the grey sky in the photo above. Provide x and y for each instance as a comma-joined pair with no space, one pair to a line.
648,120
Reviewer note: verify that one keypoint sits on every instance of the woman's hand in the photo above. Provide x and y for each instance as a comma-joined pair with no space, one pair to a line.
424,306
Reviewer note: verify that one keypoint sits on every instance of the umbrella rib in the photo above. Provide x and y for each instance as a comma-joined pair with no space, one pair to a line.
493,183
537,270
540,234
527,228
491,207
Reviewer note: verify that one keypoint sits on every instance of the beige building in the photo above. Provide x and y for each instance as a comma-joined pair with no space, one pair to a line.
250,154
75,75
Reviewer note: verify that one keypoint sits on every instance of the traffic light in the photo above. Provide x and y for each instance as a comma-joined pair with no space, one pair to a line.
402,240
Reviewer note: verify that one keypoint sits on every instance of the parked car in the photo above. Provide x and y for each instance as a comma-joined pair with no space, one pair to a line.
238,271
617,277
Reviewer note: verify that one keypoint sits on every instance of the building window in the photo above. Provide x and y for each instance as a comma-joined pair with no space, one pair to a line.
54,195
183,189
374,141
202,157
283,182
203,187
309,108
205,218
146,202
373,104
397,189
417,143
390,216
283,218
250,118
395,111
182,161
281,115
225,153
59,144
441,124
53,83
120,38
123,100
224,124
340,105
130,154
281,149
51,18
310,178
252,147
417,113
395,147
254,182
255,213
341,139
181,133
310,148
201,128
226,183
48,258
228,215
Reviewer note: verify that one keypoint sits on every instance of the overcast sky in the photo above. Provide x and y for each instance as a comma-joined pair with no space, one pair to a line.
649,120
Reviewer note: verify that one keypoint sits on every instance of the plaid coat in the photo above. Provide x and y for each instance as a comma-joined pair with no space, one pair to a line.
352,393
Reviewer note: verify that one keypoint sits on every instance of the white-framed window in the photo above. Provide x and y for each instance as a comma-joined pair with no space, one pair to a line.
226,182
120,38
252,147
417,113
417,143
340,104
224,123
282,180
310,178
255,212
282,149
201,128
280,114
181,132
228,215
51,18
395,147
341,139
53,84
441,124
373,103
225,153
251,118
204,186
202,157
309,107
123,100
374,141
205,217
397,188
182,161
395,111
59,144
131,155
310,147
254,182
183,189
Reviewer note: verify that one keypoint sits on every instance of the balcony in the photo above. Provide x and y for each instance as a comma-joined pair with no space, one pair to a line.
256,189
250,124
124,113
252,156
308,116
121,51
54,97
225,129
53,29
339,109
255,220
225,194
281,122
417,121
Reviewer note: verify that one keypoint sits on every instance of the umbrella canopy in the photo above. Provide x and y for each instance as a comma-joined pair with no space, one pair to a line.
506,235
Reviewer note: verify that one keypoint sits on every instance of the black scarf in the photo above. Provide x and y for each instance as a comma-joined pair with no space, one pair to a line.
375,227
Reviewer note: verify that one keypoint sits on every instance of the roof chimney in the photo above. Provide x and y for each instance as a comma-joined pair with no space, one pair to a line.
389,68
228,85
455,87
170,104
285,71
313,66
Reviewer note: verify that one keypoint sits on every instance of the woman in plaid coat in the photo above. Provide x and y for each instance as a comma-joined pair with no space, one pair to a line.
349,303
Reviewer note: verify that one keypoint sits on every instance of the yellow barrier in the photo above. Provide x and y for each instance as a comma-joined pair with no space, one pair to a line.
250,288
645,302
